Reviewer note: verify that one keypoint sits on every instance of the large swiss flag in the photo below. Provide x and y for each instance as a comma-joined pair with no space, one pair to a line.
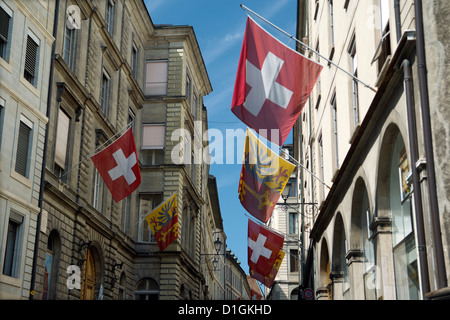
273,83
118,166
263,248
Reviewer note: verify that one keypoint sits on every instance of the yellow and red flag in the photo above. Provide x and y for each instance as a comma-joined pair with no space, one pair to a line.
269,280
163,222
263,178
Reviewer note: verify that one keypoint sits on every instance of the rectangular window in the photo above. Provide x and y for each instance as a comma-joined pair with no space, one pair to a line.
134,60
31,56
2,112
293,265
354,68
24,147
62,136
147,202
12,257
109,19
98,191
322,169
5,31
69,47
293,223
104,97
153,142
156,78
331,23
335,130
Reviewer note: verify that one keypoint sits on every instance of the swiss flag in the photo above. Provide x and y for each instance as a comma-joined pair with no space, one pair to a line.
118,166
263,248
273,83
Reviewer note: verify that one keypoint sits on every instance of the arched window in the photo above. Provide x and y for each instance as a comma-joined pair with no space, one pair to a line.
122,287
51,263
147,289
339,260
404,246
368,248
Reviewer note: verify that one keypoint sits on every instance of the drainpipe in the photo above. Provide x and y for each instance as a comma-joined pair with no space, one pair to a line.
398,20
428,141
417,196
44,155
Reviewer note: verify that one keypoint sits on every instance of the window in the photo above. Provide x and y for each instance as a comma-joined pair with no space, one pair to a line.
368,249
319,81
5,31
12,256
99,186
153,142
147,202
404,246
51,263
156,78
24,147
2,112
322,172
331,23
62,135
31,58
194,106
293,261
134,59
354,68
69,47
384,47
109,18
104,97
147,289
335,130
293,223
188,89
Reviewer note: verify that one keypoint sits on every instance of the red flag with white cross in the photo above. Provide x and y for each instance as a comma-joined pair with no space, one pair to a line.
263,248
273,83
118,166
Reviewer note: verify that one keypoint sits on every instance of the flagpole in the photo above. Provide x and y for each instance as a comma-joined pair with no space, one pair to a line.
309,48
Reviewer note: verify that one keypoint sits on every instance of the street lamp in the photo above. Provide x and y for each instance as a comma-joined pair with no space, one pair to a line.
286,192
218,244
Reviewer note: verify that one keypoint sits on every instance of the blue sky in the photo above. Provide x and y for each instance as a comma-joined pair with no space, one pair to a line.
219,26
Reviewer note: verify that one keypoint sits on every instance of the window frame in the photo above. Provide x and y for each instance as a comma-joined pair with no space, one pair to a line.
150,90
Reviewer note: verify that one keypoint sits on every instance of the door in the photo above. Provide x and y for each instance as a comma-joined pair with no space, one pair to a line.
88,284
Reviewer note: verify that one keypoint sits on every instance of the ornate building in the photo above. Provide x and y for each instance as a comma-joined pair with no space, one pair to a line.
382,230
25,61
112,68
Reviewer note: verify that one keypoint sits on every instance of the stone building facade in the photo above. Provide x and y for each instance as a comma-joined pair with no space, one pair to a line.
25,60
381,231
112,68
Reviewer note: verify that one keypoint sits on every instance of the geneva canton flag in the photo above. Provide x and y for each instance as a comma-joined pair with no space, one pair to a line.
264,176
163,222
273,83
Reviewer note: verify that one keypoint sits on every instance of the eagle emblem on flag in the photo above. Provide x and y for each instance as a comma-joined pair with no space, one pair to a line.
264,176
163,222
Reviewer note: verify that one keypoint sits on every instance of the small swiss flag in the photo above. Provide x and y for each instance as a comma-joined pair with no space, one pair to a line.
263,248
273,83
118,166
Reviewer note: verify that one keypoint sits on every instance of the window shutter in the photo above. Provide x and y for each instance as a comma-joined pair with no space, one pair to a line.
4,24
156,78
153,136
61,139
23,148
30,57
